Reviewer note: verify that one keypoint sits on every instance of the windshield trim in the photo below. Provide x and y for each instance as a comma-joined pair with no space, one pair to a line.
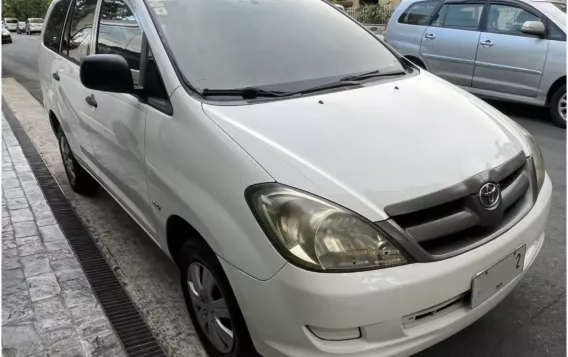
191,90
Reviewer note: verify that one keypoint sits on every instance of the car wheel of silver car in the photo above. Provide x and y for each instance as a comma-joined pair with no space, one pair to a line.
79,179
558,107
211,303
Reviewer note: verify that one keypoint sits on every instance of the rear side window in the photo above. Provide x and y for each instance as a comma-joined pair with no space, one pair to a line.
508,19
80,29
54,26
459,16
119,32
418,13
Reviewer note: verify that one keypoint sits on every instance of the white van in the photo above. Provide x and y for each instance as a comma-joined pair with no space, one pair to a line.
10,23
320,194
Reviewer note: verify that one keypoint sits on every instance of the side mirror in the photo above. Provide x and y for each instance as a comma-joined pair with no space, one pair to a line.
533,28
107,73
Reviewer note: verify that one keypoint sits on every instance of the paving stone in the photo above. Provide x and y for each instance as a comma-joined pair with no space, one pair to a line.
51,337
12,280
5,211
69,347
34,195
94,324
57,245
10,183
60,254
11,263
51,233
102,345
51,314
77,292
9,253
7,166
30,245
69,274
41,354
39,206
6,224
22,168
16,307
21,339
21,215
13,192
35,264
45,218
25,229
8,243
30,185
26,176
65,264
9,174
17,203
43,286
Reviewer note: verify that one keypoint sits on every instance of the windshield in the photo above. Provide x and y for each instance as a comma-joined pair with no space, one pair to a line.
36,21
11,21
281,44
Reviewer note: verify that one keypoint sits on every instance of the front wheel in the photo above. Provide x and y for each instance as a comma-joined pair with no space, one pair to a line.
212,306
79,179
558,107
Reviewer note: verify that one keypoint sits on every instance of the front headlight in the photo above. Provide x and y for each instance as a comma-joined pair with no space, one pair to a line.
537,159
318,235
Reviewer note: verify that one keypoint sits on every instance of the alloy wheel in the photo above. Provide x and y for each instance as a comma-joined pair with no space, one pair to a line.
562,106
210,307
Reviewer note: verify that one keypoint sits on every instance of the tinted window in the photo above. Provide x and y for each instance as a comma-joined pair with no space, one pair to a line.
11,21
461,16
555,33
508,19
280,45
119,32
418,13
36,21
54,26
80,29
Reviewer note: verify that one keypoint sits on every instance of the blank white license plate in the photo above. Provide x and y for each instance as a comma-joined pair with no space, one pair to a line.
494,278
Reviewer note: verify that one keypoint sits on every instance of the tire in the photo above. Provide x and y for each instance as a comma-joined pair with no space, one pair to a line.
79,179
558,101
197,256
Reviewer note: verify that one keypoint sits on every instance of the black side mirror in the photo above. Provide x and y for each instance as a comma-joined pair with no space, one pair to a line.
108,73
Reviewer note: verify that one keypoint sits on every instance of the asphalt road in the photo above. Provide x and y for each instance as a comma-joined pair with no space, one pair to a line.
530,322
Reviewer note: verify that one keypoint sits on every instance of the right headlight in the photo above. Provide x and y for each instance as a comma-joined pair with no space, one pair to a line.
537,159
318,235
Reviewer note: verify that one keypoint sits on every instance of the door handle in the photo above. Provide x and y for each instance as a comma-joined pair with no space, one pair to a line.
91,101
486,43
55,76
430,36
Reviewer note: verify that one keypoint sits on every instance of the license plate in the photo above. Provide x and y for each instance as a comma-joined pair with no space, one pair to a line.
494,278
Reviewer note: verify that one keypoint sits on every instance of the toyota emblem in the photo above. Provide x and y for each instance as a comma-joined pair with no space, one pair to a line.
489,195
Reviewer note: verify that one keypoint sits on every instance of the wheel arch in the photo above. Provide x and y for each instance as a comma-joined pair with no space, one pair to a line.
554,87
178,232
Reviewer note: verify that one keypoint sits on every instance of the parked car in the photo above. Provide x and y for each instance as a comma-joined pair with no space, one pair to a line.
21,27
34,25
517,52
309,199
6,38
11,23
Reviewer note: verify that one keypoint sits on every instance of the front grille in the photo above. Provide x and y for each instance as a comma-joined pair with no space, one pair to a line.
462,221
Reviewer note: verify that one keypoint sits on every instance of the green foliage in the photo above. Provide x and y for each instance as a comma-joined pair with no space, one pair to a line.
374,14
24,9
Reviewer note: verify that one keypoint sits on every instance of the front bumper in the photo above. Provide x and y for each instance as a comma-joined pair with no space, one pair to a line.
278,310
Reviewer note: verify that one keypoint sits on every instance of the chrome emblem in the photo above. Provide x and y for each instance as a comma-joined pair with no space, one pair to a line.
489,195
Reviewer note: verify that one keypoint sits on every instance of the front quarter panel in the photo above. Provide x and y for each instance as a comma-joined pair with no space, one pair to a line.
554,67
197,172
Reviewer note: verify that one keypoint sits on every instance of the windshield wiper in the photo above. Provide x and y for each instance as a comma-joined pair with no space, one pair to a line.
253,92
245,93
372,74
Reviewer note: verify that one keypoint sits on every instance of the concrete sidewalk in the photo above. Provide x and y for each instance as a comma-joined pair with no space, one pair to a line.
48,307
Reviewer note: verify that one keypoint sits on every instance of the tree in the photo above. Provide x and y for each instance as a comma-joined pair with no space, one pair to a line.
24,9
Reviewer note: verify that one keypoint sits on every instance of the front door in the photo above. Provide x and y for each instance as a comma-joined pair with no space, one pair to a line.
120,119
77,114
508,60
449,44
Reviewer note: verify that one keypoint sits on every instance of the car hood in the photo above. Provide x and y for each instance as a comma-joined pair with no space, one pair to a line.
369,147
